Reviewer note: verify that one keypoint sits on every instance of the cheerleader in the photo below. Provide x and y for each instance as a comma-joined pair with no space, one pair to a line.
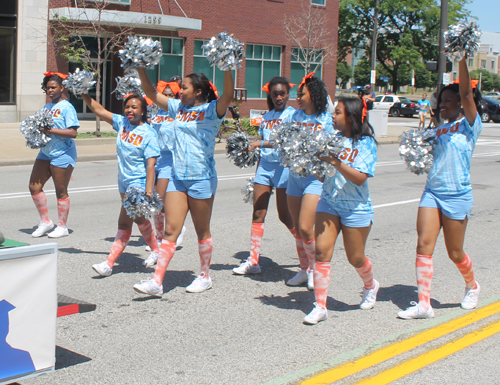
163,125
303,193
137,149
447,198
198,115
345,205
57,159
270,173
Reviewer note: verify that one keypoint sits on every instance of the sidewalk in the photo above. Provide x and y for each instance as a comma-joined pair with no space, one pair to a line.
13,150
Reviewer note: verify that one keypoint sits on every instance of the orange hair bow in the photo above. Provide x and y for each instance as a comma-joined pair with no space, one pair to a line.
214,89
473,82
61,75
161,85
148,100
266,87
308,76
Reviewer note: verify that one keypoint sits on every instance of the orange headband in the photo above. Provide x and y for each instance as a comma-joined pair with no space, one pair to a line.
214,89
148,100
473,82
266,87
61,75
308,76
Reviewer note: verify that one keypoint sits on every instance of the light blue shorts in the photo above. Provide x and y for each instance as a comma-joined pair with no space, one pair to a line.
123,186
347,218
272,174
299,186
164,165
62,161
456,207
198,189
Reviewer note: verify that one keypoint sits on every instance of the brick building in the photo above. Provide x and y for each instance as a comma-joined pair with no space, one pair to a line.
183,26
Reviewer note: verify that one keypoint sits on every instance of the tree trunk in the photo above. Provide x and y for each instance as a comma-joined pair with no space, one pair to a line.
98,100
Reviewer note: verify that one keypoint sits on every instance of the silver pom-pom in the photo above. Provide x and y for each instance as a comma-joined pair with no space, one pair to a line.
248,191
32,127
129,84
415,148
224,51
79,82
237,149
153,110
139,52
300,149
462,40
137,204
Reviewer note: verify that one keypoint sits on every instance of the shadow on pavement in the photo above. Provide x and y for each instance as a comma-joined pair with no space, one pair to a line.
66,358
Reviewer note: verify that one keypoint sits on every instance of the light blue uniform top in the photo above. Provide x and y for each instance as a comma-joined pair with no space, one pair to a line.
314,122
342,194
195,130
134,145
64,115
450,173
270,121
423,105
164,127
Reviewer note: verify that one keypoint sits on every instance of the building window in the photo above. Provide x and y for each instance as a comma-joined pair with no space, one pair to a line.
263,62
201,64
471,62
492,64
172,61
298,71
483,63
318,2
8,39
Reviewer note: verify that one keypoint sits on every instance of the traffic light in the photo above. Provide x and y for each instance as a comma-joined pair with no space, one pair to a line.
433,66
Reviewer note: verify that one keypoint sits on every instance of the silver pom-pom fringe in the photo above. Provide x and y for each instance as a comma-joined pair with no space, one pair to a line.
129,84
139,52
415,148
237,150
462,40
137,204
32,127
248,191
79,82
224,51
300,149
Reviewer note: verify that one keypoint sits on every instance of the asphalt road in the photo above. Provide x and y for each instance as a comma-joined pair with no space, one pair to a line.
248,330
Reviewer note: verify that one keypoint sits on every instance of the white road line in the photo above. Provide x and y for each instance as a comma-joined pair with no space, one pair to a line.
396,203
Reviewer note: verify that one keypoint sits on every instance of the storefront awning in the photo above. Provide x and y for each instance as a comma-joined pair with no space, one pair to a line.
128,19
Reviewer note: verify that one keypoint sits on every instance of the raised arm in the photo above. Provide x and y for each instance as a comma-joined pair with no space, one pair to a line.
159,99
466,93
227,95
98,109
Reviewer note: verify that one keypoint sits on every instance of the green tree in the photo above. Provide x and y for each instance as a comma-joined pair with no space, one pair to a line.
489,81
362,73
408,31
423,77
344,72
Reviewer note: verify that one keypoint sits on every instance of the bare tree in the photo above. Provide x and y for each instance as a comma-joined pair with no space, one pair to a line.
68,39
309,31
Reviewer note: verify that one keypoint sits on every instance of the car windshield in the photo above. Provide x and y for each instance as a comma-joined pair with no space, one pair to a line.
378,98
404,99
490,101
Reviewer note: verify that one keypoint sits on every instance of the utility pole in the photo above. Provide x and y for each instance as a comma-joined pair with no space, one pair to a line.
442,57
373,75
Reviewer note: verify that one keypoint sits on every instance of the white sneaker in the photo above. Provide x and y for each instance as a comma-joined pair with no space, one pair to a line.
246,267
180,237
42,229
317,314
310,280
369,297
151,260
148,248
300,278
102,269
471,298
58,232
149,287
199,284
416,311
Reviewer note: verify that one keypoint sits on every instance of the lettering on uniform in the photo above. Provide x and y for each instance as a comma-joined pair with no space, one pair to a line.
190,116
130,137
444,130
271,124
53,113
311,126
161,119
348,152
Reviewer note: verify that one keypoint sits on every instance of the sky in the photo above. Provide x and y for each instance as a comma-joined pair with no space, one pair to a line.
488,14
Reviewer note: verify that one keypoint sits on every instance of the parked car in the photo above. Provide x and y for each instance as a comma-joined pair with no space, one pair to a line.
491,110
396,105
492,95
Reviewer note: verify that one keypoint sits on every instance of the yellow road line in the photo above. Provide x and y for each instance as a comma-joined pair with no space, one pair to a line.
432,356
385,353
